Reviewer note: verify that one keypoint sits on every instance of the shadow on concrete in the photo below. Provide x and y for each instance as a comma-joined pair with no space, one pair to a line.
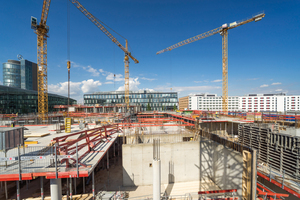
171,179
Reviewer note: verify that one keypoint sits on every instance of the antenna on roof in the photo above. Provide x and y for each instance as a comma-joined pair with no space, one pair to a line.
20,57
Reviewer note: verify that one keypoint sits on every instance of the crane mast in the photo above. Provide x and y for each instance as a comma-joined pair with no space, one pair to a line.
42,34
223,30
114,40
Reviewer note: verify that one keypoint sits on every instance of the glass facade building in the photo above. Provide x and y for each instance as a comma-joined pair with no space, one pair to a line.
16,100
12,74
158,101
20,74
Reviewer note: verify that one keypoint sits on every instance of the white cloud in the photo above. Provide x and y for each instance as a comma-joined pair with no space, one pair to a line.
93,71
252,79
133,85
216,81
88,68
276,83
148,79
278,90
90,86
118,77
197,81
77,89
109,82
264,85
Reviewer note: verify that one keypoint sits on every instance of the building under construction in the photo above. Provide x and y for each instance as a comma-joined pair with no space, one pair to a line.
145,155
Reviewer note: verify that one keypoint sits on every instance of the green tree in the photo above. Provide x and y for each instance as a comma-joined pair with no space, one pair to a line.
163,108
175,107
148,107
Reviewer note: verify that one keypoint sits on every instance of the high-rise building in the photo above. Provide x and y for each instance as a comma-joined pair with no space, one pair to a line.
20,74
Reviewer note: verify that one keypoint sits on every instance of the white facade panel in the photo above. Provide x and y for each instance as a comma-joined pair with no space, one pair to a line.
250,103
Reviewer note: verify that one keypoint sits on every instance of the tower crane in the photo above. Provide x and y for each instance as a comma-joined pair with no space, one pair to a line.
114,40
42,34
223,30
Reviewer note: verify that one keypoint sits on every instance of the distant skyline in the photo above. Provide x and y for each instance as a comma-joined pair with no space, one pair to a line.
263,57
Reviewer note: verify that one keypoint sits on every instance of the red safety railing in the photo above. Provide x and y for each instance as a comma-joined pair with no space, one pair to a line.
88,138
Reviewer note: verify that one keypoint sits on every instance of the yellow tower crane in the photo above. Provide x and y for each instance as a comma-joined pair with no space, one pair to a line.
108,34
223,30
42,33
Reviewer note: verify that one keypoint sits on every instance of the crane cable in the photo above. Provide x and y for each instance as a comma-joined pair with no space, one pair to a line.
68,51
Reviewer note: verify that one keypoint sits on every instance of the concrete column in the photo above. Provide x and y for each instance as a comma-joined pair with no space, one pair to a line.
55,189
156,179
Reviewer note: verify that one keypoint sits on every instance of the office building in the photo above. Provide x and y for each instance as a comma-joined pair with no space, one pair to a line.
20,74
183,103
16,100
158,101
248,103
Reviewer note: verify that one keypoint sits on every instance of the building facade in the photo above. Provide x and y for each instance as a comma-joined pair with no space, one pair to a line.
158,101
248,103
20,74
16,100
183,103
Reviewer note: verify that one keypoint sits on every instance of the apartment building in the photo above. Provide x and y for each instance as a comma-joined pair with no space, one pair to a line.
248,103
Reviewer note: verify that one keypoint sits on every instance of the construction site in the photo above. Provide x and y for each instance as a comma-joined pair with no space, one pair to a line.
120,148
137,156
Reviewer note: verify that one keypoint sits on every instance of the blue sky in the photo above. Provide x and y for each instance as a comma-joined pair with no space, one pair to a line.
263,56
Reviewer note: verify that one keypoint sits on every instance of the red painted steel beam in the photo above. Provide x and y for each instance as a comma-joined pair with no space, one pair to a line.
270,192
217,191
15,177
279,184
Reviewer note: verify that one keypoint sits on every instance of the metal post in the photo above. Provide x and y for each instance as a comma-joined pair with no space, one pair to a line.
67,188
270,173
70,188
232,129
56,161
83,184
93,186
42,189
75,186
18,190
77,161
283,180
107,159
5,187
19,162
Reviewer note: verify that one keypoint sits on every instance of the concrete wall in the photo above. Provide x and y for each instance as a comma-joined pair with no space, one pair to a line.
184,161
222,165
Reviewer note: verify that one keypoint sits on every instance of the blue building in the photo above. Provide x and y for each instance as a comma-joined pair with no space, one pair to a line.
20,74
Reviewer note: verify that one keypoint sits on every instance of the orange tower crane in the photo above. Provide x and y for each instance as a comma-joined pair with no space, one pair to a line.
108,34
223,30
42,33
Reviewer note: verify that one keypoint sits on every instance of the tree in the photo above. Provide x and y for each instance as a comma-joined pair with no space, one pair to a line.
175,107
163,108
148,107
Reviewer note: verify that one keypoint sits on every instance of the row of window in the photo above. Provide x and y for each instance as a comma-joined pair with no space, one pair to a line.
119,96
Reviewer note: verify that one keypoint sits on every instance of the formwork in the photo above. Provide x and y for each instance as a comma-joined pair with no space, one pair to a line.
281,151
11,137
